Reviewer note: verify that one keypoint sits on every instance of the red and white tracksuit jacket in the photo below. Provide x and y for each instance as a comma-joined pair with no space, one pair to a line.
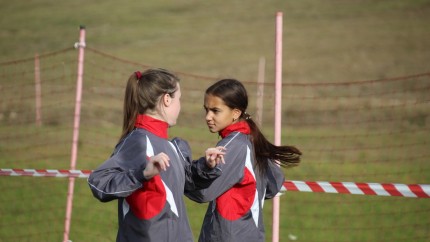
154,209
237,196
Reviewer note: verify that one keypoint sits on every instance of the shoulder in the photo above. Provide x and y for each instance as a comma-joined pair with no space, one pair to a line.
136,139
234,138
236,144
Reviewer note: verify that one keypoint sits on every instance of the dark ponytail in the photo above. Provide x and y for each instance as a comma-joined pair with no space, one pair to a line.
264,150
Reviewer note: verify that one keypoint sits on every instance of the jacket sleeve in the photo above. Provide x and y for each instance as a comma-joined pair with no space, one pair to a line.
232,173
275,180
197,174
121,174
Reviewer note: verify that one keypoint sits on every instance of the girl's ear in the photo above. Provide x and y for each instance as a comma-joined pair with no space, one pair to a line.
167,99
236,114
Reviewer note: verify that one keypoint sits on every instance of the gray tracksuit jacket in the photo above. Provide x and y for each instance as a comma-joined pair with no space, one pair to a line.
154,209
237,196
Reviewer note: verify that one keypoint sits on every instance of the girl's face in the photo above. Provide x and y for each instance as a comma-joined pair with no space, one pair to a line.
173,106
219,115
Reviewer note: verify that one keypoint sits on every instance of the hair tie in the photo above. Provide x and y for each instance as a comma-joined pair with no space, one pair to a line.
247,116
138,74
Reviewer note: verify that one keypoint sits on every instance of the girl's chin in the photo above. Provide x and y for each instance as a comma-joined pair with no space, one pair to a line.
212,129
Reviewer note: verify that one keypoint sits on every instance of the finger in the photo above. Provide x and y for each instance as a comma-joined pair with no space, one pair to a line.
161,163
219,159
165,159
163,155
166,164
208,156
220,150
214,151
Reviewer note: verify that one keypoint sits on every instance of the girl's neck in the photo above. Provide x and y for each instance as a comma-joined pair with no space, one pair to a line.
241,126
153,124
155,115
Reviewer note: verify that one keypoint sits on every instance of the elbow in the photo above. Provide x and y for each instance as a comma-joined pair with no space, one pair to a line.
98,194
102,197
105,199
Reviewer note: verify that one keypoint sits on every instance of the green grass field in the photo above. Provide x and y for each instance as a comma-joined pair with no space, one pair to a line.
345,135
323,41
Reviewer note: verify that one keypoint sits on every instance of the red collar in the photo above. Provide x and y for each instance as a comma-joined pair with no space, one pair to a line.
153,125
241,127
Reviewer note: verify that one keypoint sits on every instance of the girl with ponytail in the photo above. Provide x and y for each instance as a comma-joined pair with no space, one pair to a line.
251,172
147,174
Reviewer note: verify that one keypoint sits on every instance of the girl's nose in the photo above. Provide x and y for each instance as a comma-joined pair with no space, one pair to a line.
208,116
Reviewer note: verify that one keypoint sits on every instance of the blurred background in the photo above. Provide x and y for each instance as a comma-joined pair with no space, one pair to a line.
355,100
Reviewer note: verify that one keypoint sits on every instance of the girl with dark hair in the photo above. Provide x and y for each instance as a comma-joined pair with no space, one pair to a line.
251,173
147,173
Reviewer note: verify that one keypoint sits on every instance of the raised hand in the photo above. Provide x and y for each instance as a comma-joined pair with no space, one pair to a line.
214,156
155,165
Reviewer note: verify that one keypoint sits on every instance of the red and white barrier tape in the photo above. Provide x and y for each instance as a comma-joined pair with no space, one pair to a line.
45,173
378,189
